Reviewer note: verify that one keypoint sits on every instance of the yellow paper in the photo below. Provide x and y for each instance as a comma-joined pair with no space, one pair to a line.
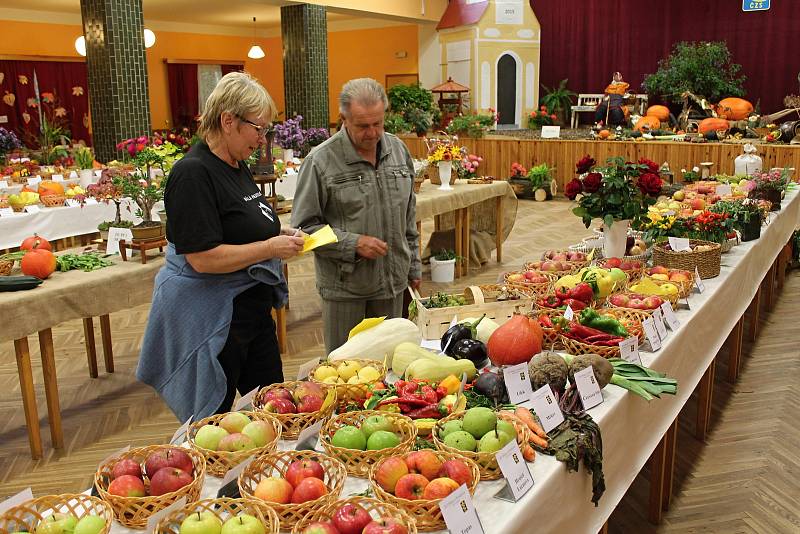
366,324
323,236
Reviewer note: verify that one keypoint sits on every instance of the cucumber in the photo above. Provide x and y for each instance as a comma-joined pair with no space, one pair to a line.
18,283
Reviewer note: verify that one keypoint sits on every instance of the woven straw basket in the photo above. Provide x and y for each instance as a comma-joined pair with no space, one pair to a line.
6,267
707,262
223,508
576,347
375,508
551,338
359,462
684,286
220,462
346,393
537,289
574,267
53,201
24,517
294,423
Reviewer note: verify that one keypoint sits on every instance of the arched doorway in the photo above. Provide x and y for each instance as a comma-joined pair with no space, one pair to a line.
507,89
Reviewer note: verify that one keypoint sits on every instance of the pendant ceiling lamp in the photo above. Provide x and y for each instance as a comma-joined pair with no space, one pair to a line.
149,40
255,51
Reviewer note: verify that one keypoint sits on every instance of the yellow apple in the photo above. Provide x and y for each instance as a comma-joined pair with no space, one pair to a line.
325,371
368,374
348,369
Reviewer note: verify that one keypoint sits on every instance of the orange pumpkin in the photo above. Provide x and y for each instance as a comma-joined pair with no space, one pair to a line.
515,341
653,123
713,124
39,263
662,112
603,134
734,109
49,187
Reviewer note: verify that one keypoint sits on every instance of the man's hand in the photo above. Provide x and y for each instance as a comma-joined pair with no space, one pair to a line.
371,247
415,284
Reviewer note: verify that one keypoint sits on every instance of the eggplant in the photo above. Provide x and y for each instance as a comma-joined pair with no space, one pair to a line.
492,386
471,349
457,332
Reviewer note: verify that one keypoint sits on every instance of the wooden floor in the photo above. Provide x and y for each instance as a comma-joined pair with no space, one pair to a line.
745,479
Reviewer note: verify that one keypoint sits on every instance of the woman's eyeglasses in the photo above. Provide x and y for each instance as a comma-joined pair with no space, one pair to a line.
260,130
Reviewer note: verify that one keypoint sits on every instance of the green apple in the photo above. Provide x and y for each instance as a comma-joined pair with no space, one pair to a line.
382,439
201,523
349,437
461,440
261,432
478,421
505,426
209,436
57,524
90,524
234,422
454,425
493,441
243,524
617,274
373,423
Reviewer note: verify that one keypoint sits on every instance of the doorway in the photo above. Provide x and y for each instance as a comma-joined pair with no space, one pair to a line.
507,90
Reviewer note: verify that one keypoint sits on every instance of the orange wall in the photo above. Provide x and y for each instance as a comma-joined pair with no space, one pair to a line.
351,54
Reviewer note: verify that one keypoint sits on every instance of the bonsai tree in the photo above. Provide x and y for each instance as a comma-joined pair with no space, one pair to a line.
144,186
108,190
558,100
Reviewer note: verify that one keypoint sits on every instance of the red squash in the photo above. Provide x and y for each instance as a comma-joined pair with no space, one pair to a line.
39,263
515,341
34,242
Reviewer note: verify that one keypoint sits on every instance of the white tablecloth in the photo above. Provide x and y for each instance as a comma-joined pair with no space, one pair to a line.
631,427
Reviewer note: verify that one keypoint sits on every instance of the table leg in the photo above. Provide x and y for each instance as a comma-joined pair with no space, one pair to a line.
108,349
465,240
770,280
91,350
28,396
657,465
123,250
459,245
279,316
286,276
669,467
735,351
419,233
755,311
704,396
604,530
498,230
51,387
783,260
437,223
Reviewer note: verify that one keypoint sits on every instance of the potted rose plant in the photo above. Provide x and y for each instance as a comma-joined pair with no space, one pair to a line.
519,181
770,186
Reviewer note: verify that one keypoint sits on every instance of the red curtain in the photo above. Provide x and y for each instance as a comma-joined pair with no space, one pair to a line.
19,100
183,98
69,84
231,68
587,40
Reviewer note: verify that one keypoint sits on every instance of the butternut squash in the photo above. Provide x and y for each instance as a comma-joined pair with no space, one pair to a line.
378,342
440,368
407,352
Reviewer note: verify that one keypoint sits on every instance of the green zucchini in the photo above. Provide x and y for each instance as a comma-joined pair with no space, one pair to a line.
18,283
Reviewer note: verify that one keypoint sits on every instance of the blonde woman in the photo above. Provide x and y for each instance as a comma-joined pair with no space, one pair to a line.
210,332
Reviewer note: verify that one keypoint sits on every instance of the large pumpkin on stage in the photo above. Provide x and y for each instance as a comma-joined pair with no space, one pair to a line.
713,124
653,123
662,112
734,109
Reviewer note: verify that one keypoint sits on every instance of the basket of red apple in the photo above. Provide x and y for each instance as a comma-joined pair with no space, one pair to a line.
142,481
539,282
296,405
53,514
601,331
357,515
359,439
702,255
351,378
225,440
633,268
684,280
417,481
213,516
293,483
554,267
578,258
635,301
478,433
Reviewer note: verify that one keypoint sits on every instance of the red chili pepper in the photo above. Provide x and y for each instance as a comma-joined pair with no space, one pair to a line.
441,392
575,304
410,388
545,321
411,401
431,411
429,394
399,385
584,332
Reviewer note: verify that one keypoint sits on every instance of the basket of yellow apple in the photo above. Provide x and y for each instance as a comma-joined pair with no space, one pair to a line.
51,514
351,378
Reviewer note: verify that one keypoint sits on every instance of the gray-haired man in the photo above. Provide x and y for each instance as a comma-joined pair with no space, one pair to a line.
360,181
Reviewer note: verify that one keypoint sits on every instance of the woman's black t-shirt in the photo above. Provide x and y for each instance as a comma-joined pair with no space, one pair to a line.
209,203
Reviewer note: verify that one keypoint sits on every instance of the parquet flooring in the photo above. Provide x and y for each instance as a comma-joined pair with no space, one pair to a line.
745,479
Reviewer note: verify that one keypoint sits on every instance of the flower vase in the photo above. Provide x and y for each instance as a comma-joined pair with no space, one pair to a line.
615,238
288,154
445,173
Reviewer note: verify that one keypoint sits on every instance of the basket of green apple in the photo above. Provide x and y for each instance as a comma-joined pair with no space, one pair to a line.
359,439
293,483
357,514
296,405
478,434
53,514
351,378
222,515
225,440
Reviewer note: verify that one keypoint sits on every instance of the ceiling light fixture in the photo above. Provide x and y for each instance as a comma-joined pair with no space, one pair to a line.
149,40
80,45
255,51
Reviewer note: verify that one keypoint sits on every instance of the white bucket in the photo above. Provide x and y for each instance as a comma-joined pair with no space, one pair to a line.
443,271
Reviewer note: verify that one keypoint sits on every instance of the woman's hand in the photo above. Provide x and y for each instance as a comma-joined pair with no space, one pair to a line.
296,232
285,246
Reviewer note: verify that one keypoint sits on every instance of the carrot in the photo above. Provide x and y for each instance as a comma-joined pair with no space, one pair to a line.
527,417
528,453
539,442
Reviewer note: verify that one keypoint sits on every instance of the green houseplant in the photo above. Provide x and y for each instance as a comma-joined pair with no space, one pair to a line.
419,121
558,100
472,124
540,177
394,123
747,215
443,266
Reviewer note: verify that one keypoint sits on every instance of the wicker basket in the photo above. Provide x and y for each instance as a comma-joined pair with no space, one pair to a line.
133,512
223,508
276,464
577,347
649,312
346,393
294,423
579,264
375,508
6,266
684,286
673,298
358,463
707,262
538,288
487,461
425,512
574,267
633,274
481,300
551,339
24,517
53,201
220,462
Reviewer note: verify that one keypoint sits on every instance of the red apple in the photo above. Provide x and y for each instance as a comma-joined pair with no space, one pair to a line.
310,403
236,442
351,519
126,466
390,471
621,300
424,462
652,302
440,488
307,388
456,470
550,266
411,486
127,486
635,303
516,277
658,269
169,479
300,469
280,406
625,266
309,489
385,525
679,277
168,457
278,393
274,489
613,262
320,527
559,257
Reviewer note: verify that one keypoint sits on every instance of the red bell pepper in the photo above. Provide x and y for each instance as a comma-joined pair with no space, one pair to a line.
545,321
583,292
575,304
550,301
562,292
